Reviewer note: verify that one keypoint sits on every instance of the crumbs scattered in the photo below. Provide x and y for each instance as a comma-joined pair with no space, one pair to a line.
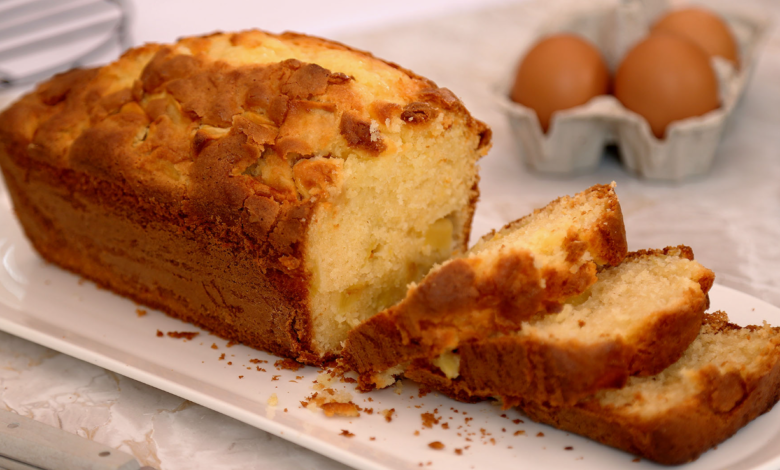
222,357
182,334
340,409
445,425
437,445
388,414
428,420
214,346
288,364
346,433
140,312
273,400
275,377
260,369
258,361
519,433
160,334
333,403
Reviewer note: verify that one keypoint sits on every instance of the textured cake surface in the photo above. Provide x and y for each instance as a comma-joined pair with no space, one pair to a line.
638,318
276,189
726,378
528,268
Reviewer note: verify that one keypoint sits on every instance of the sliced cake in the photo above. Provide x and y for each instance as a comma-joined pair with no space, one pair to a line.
638,318
528,268
726,378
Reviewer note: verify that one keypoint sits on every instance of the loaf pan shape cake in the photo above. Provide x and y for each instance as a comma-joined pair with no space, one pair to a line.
528,268
274,189
727,377
637,319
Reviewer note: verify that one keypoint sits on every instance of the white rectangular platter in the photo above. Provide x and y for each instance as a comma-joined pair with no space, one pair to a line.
46,305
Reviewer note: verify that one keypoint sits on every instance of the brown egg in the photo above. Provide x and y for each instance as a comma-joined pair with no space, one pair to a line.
559,72
666,78
703,27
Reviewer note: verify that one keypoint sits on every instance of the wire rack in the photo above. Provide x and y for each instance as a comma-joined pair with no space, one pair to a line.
39,38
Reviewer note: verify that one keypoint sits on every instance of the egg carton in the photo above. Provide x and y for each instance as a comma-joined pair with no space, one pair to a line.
577,136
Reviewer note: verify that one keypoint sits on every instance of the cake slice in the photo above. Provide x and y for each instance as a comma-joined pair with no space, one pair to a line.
726,378
637,319
528,268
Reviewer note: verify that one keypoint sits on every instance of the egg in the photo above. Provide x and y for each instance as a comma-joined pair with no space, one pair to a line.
559,72
703,27
665,78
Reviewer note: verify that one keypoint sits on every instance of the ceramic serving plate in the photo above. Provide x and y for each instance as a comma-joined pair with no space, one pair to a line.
46,305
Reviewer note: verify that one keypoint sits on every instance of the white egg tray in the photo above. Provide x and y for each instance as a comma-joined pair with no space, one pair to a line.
576,138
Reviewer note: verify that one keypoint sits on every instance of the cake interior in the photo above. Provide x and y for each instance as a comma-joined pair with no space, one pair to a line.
740,351
544,232
624,299
390,223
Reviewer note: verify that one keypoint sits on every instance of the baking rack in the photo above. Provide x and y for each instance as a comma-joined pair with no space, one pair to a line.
39,38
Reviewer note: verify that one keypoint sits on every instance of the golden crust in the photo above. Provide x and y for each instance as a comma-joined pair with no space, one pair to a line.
518,368
227,140
469,299
721,405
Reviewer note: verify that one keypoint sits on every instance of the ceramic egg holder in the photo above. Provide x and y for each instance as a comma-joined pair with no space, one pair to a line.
576,137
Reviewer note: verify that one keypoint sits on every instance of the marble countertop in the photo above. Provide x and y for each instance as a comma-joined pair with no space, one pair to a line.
731,218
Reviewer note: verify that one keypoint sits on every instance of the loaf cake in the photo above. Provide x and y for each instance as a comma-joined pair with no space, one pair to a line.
727,377
637,319
528,268
274,189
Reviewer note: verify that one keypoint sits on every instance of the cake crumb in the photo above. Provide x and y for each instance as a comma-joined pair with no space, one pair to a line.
140,312
371,438
275,377
285,410
260,369
230,363
258,361
388,414
428,420
416,432
160,334
231,343
540,434
369,411
568,448
273,400
182,334
637,460
346,433
399,387
519,433
518,421
214,346
437,445
459,451
288,364
445,425
348,409
222,357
